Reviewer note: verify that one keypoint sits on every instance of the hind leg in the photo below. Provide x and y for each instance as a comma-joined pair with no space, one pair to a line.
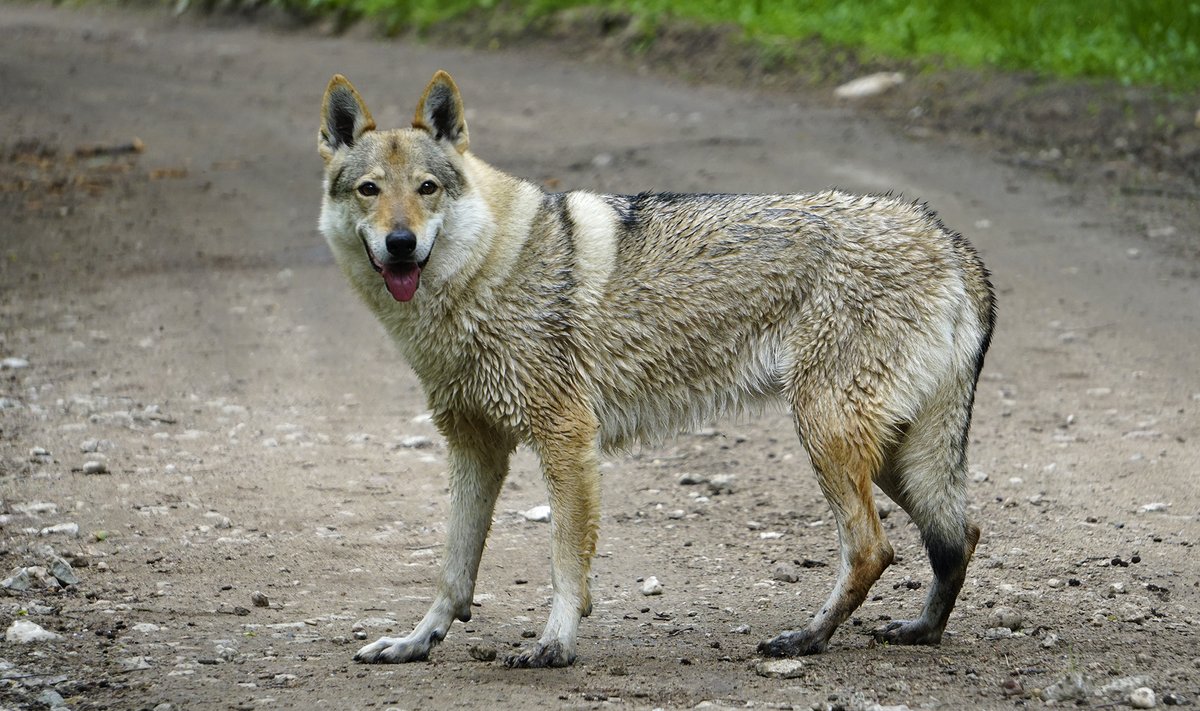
927,478
846,464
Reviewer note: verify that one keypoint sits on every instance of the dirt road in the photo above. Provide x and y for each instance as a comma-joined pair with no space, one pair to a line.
173,316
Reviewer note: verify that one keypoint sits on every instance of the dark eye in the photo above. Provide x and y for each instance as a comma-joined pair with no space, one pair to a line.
368,189
427,188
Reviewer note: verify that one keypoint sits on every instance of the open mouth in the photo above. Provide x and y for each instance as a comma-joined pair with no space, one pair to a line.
400,278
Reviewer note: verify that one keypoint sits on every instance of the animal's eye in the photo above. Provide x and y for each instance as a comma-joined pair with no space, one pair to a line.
427,188
368,189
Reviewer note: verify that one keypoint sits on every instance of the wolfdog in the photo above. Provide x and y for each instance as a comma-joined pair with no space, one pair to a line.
578,323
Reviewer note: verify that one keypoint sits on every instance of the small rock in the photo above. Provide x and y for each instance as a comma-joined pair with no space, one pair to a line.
1173,699
651,586
259,599
997,633
19,581
785,573
721,484
1143,698
740,629
780,668
1007,618
134,663
1155,506
145,627
416,442
35,508
869,85
218,520
602,160
53,699
94,467
539,514
481,653
39,452
1073,687
13,364
1055,583
25,632
1012,687
692,479
62,571
61,529
1049,641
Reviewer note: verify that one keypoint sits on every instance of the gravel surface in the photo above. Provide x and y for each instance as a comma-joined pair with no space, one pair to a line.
216,475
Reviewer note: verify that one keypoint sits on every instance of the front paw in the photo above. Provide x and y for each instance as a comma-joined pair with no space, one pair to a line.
543,655
792,644
390,650
908,632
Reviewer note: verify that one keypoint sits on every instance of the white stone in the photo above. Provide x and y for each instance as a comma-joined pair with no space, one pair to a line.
13,364
869,85
540,514
651,586
24,632
780,668
1143,698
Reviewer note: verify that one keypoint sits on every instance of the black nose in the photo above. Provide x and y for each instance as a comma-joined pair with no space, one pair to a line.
401,243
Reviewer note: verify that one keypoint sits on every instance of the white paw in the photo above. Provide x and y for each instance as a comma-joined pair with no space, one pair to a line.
391,650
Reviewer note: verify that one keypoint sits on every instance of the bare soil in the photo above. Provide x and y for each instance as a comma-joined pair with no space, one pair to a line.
167,309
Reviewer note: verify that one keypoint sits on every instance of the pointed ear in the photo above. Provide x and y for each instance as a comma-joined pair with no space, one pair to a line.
344,117
440,112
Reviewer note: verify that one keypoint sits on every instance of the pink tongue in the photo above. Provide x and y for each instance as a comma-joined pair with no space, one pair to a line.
402,281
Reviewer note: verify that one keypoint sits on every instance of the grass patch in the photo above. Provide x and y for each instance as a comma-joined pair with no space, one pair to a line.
1133,41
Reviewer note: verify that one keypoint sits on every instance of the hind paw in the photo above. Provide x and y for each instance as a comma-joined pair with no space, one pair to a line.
907,632
541,656
792,644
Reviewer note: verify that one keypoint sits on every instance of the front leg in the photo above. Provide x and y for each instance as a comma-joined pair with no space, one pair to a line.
478,466
570,463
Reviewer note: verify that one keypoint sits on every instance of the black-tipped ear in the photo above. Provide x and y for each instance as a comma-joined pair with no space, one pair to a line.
440,112
344,117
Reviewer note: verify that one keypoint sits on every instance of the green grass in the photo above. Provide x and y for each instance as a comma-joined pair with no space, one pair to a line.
1134,41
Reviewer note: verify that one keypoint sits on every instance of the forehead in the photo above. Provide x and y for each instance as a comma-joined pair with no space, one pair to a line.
401,151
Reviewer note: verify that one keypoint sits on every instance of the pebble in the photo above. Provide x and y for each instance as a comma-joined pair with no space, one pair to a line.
689,479
63,529
780,668
740,629
25,632
721,484
1007,618
145,627
13,364
63,571
1153,507
218,520
481,653
53,699
651,586
1143,698
785,573
259,599
416,442
539,514
1049,641
95,467
869,85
